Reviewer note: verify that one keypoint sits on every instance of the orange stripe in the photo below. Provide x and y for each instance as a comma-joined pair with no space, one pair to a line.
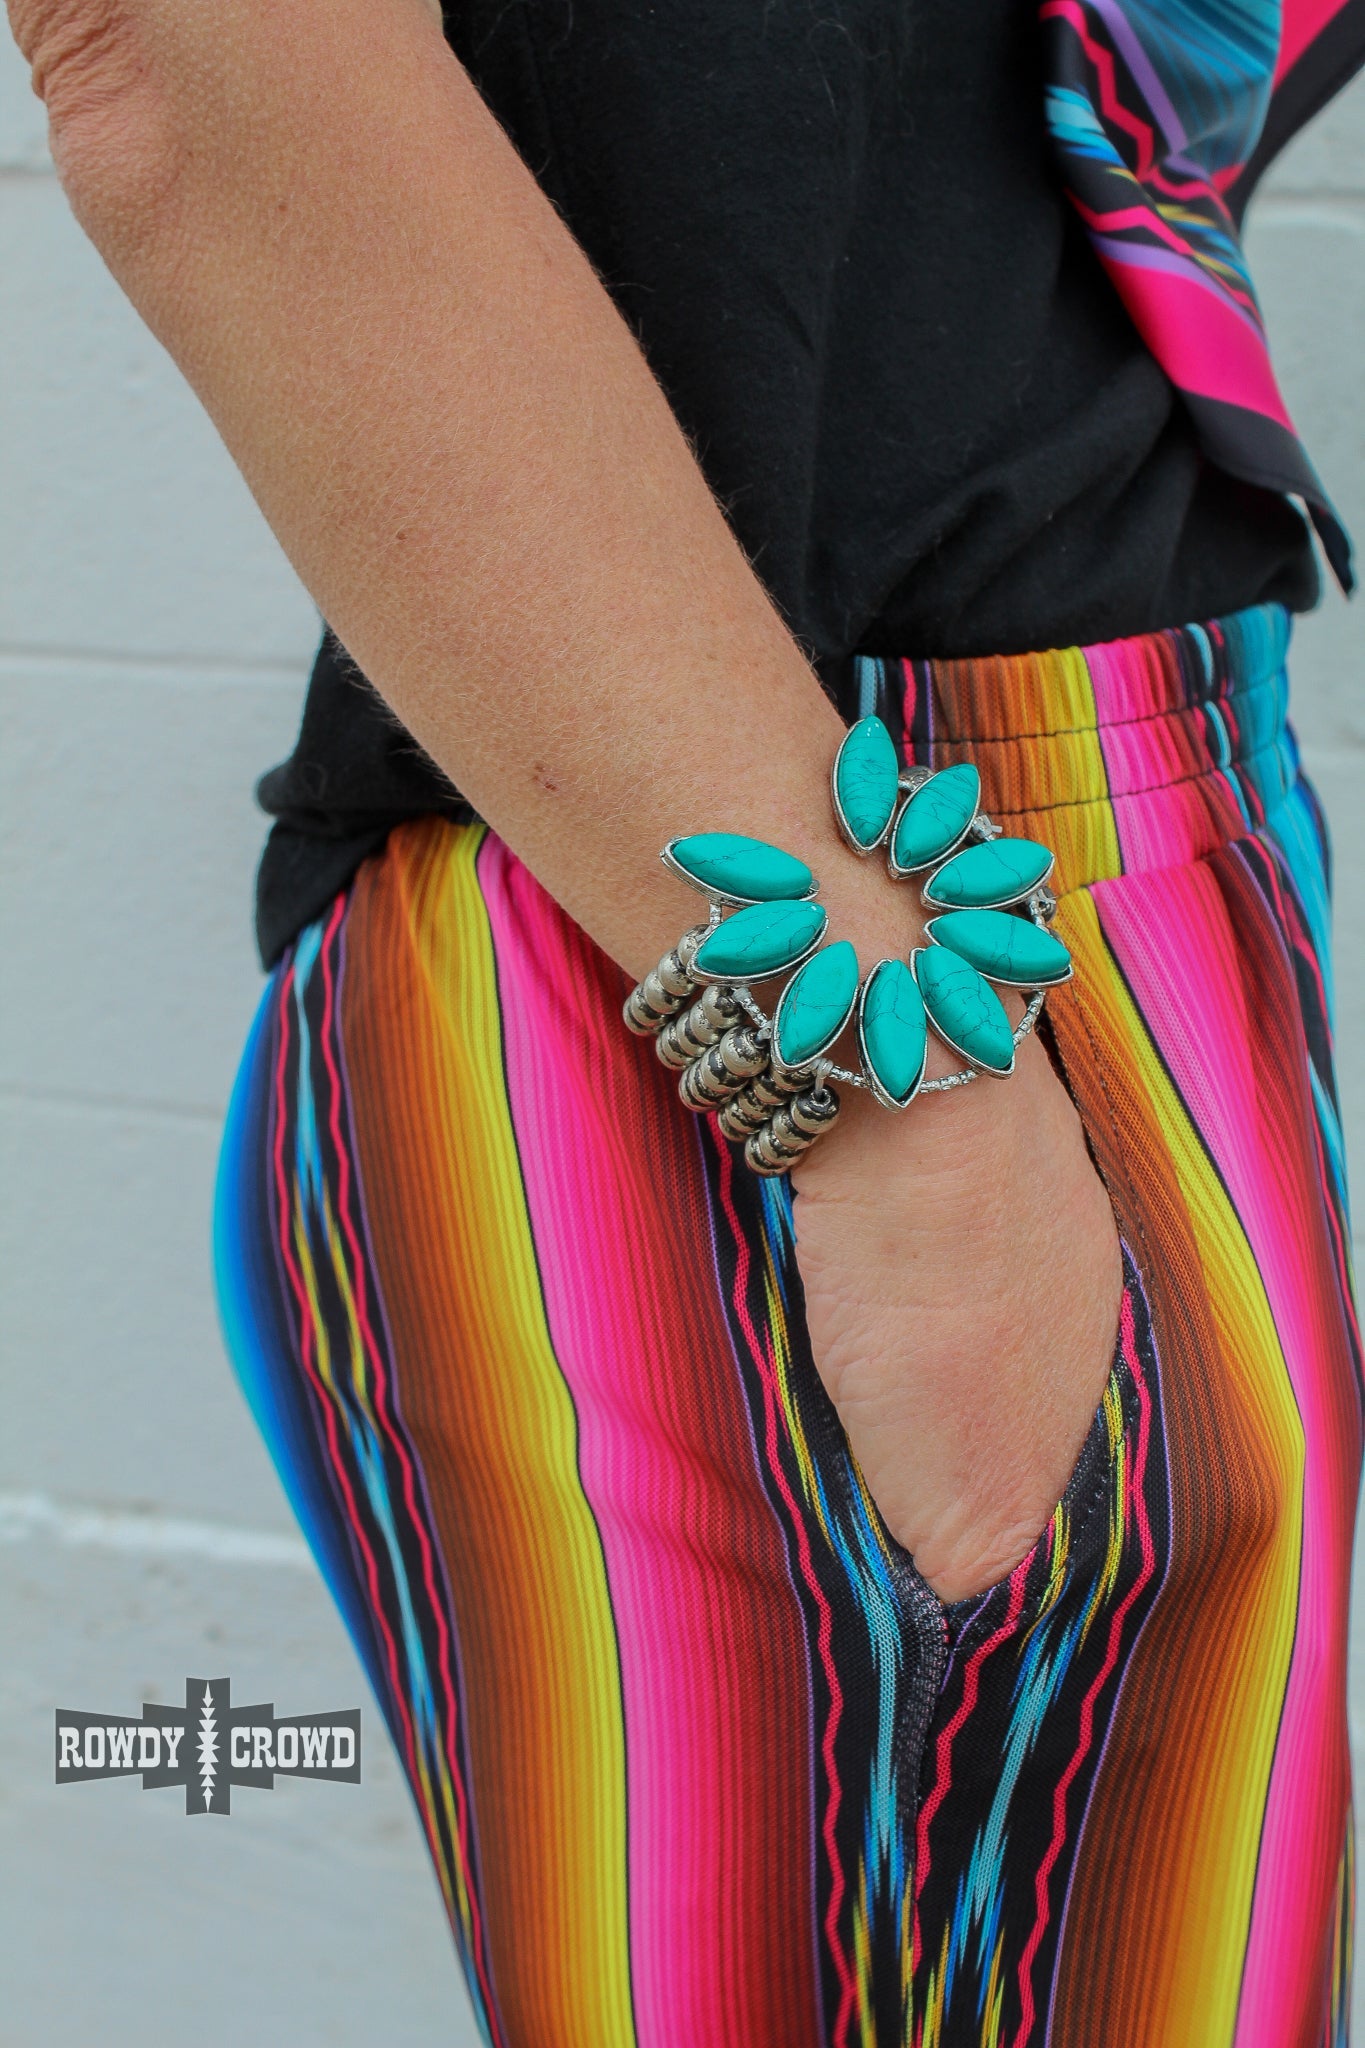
1180,1832
496,1434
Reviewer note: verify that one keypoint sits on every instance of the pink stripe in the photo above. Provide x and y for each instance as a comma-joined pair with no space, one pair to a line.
1169,805
1132,680
1203,343
681,1531
1198,1001
1178,262
1302,22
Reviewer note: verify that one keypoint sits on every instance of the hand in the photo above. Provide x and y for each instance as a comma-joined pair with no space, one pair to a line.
962,1278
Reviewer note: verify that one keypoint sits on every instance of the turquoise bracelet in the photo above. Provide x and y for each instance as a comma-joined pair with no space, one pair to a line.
771,1076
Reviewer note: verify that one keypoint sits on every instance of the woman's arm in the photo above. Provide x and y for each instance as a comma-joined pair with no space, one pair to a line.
451,430
458,443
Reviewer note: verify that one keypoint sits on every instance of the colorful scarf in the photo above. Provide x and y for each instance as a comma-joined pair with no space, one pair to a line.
1165,112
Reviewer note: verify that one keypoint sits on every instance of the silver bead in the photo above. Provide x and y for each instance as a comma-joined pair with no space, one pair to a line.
640,1015
670,1046
762,1156
650,1004
666,988
709,1018
676,1045
723,1069
742,1053
719,1008
783,1138
811,1115
680,960
775,1087
791,1130
742,1116
751,1109
673,978
702,1088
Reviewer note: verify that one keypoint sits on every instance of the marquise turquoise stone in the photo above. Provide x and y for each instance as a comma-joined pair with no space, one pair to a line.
761,940
892,1036
866,781
816,1004
936,816
989,876
1003,948
964,1010
740,870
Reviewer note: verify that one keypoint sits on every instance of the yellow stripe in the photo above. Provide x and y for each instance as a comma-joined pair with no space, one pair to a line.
1083,835
1195,1937
555,1826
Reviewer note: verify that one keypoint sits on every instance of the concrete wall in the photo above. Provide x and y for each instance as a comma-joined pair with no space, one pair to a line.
1306,240
153,645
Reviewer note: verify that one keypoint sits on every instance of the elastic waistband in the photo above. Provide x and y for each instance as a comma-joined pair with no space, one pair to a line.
1127,755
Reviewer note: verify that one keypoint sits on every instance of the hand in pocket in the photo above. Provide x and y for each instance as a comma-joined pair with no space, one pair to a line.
963,1277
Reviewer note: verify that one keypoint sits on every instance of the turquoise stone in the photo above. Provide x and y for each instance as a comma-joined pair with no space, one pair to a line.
739,870
989,876
935,817
964,1010
892,1037
866,782
816,1004
761,940
1003,948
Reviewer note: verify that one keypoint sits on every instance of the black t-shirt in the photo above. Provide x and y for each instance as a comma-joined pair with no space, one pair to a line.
837,230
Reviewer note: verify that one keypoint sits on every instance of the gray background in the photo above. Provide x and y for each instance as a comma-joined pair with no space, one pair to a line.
153,645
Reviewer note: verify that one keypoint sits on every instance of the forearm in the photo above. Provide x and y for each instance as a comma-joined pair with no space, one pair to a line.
453,434
461,448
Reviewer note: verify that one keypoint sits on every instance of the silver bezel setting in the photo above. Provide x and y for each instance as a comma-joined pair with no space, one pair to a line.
812,1059
870,1081
726,896
997,903
961,1052
999,980
741,981
978,817
846,831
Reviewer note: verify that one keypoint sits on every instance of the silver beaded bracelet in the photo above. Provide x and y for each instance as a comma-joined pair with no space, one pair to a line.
771,1077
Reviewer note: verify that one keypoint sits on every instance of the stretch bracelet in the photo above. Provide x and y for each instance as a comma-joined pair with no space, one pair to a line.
771,1075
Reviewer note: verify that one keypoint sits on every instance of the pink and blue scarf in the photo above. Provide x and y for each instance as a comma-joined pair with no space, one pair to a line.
1164,113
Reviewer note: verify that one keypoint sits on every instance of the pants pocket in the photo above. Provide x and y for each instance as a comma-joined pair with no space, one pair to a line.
1083,1519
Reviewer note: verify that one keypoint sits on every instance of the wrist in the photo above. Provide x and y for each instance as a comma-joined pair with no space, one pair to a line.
963,1136
880,922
